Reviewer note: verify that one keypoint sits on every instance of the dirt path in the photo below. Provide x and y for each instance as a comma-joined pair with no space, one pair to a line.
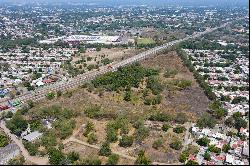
73,139
25,153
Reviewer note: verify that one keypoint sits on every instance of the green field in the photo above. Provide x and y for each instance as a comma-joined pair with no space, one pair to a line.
145,41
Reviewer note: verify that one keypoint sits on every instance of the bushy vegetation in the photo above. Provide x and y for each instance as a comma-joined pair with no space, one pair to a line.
129,76
206,120
17,124
204,141
176,144
165,127
113,159
160,116
105,149
142,159
126,141
170,73
158,143
179,129
3,140
199,78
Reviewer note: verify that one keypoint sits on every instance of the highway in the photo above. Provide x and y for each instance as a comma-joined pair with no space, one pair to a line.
40,93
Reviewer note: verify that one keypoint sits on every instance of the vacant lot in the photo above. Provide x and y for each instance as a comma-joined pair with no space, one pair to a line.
145,41
190,100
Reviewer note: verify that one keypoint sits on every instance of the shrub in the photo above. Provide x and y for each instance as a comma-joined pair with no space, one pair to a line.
158,143
179,129
88,128
204,141
142,159
3,140
213,148
126,141
105,149
162,117
91,138
176,144
165,127
141,133
113,159
50,95
207,156
181,118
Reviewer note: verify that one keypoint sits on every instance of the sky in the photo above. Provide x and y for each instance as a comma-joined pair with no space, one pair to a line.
148,2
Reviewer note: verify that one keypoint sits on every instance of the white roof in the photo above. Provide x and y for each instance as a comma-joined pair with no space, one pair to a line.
32,136
39,83
229,158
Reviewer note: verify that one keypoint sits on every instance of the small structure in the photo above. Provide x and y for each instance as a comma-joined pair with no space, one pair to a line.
32,136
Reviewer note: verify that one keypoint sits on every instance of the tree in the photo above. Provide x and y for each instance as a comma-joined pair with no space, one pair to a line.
55,156
240,123
92,139
16,161
142,159
73,156
17,124
9,114
126,141
113,159
204,141
213,148
191,162
111,134
49,139
207,156
183,156
88,128
3,140
179,129
226,148
31,147
105,149
206,120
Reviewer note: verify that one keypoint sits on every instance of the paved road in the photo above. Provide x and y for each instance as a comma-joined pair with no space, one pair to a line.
25,153
78,80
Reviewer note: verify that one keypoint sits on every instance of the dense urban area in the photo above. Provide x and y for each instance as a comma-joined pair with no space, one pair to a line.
67,97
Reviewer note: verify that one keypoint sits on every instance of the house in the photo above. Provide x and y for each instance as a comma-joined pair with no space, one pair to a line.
245,149
229,159
39,83
8,152
32,136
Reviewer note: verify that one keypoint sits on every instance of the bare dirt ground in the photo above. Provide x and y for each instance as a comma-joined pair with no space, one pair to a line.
192,100
114,54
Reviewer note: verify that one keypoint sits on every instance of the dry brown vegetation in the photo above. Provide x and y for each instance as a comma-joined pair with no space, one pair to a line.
191,100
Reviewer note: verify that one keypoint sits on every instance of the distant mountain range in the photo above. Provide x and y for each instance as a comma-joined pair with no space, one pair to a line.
143,2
